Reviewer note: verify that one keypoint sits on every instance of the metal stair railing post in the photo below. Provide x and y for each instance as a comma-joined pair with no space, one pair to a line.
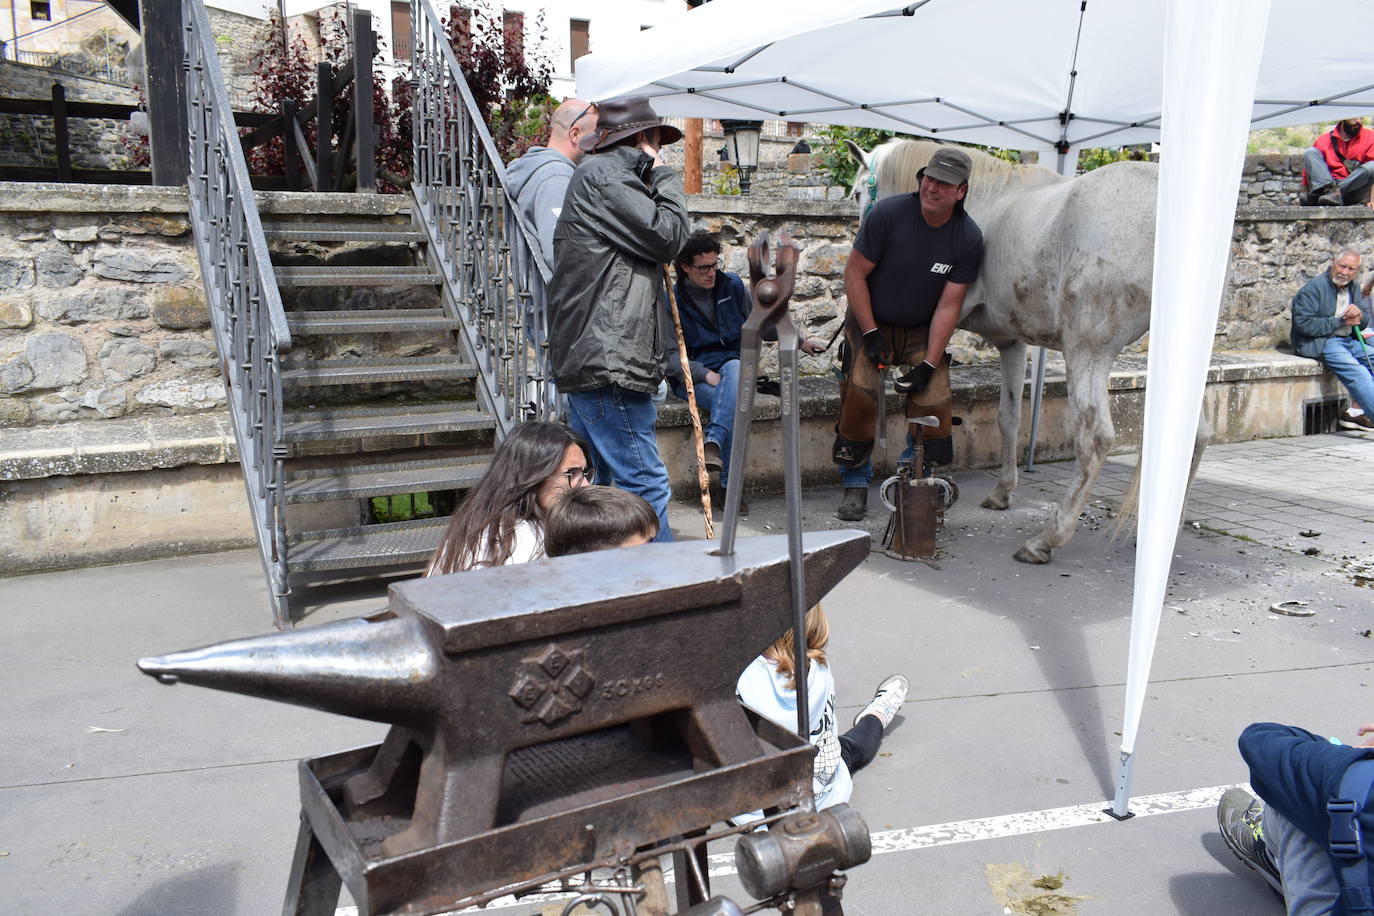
494,270
241,289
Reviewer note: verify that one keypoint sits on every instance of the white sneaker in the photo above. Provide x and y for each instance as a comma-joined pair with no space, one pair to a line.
887,701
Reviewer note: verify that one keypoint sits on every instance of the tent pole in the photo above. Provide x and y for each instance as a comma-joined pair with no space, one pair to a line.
1123,788
1065,166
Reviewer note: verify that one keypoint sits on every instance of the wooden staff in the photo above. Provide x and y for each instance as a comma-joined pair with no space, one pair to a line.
698,436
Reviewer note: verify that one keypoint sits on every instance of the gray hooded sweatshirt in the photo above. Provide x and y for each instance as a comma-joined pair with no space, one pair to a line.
539,180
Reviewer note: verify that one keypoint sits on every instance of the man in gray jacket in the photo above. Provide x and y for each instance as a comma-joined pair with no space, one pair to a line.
539,179
1331,323
624,217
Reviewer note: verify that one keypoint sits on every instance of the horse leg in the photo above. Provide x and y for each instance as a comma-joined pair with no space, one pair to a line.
1013,356
1093,434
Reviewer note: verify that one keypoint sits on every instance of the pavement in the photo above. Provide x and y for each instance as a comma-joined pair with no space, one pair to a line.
122,796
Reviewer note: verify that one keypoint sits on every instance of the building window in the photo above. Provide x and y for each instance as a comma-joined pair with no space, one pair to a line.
796,128
401,35
40,10
579,40
513,30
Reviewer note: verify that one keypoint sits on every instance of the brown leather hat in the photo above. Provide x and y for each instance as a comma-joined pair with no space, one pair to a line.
625,117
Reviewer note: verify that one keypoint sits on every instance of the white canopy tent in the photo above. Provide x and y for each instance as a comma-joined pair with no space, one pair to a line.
1052,76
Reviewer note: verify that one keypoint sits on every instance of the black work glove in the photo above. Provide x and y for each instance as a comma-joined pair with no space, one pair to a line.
915,380
876,346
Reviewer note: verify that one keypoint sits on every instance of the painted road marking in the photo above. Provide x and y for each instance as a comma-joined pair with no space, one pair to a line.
908,839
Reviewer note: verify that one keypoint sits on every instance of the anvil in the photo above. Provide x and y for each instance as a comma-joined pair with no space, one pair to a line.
544,714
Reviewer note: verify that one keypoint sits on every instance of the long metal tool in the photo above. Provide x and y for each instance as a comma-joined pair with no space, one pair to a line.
770,314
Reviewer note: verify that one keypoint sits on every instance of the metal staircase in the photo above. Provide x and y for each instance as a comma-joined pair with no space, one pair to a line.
366,360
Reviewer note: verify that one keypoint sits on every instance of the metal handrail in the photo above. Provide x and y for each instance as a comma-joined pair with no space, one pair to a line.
485,247
241,289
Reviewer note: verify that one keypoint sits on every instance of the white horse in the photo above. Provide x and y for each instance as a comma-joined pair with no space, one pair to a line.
1068,265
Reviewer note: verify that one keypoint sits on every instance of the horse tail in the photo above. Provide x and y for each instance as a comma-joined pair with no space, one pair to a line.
1130,503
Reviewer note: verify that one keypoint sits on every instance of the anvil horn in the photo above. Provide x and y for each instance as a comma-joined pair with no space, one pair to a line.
376,668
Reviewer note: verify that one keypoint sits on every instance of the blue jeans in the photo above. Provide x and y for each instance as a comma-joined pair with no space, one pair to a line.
1319,176
1310,887
1347,361
719,400
620,426
862,475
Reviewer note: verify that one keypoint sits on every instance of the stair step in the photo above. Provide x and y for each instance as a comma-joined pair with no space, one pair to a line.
393,543
357,276
363,481
380,369
341,232
370,321
370,422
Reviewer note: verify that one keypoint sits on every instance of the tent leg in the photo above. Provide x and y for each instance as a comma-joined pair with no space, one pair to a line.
1123,788
1037,393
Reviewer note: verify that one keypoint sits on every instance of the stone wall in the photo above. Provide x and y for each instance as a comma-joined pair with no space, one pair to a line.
1270,181
96,143
101,309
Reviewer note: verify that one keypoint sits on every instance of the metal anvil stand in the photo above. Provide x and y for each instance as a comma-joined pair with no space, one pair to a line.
561,716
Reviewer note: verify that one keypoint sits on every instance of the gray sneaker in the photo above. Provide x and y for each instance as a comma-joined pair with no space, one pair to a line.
1240,819
887,701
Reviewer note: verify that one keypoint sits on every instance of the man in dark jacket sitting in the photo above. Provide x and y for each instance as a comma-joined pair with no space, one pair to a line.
1331,323
624,216
713,305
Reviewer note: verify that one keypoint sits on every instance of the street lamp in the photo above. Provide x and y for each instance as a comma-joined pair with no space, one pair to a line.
742,139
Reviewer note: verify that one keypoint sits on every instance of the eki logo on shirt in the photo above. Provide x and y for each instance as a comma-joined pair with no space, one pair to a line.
938,268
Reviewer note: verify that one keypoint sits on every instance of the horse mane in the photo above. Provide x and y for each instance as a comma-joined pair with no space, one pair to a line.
898,161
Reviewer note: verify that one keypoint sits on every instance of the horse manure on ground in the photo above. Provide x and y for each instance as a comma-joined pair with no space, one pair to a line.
1020,892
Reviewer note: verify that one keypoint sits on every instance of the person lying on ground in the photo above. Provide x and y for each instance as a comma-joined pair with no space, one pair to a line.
769,687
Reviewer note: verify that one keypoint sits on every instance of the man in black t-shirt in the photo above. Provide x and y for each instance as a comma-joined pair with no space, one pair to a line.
913,261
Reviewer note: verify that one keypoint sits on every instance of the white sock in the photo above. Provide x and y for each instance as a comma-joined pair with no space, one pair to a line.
1354,412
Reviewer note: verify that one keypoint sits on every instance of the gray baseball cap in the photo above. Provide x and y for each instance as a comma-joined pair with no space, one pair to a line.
950,164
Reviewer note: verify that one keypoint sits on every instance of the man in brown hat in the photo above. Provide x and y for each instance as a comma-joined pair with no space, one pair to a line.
624,216
913,260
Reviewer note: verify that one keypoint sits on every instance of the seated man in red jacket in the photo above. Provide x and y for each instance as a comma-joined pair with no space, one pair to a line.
1339,166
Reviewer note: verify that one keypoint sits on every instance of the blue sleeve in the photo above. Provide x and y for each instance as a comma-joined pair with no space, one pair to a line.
970,259
1311,315
1296,772
872,237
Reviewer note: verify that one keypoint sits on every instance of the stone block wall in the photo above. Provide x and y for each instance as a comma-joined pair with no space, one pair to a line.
101,309
1270,181
96,143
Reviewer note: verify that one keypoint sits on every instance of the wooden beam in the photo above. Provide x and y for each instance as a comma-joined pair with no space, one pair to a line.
164,50
364,49
691,156
62,137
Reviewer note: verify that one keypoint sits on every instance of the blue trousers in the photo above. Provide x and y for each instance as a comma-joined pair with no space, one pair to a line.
1310,887
620,426
719,400
1347,361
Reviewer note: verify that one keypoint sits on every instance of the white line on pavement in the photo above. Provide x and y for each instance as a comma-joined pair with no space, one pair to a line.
907,839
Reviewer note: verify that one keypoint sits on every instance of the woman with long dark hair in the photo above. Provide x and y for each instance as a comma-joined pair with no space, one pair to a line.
501,520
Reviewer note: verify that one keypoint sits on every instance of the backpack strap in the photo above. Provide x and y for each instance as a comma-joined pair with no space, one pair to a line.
1346,843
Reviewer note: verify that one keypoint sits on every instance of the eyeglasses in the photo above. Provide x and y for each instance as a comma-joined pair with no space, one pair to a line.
585,111
574,475
716,265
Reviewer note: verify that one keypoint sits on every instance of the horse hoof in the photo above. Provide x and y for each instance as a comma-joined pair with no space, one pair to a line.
1035,557
994,502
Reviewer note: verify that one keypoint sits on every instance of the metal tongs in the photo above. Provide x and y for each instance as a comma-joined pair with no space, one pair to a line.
770,314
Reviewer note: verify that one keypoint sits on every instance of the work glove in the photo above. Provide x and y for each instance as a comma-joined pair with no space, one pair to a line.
915,380
876,346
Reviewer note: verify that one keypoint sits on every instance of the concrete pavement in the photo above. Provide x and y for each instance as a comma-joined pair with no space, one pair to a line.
118,795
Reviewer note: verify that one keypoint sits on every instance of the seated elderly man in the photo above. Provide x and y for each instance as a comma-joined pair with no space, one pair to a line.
1339,166
1331,323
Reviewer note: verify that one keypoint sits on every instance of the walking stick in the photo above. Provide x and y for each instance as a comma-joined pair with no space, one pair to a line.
698,437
